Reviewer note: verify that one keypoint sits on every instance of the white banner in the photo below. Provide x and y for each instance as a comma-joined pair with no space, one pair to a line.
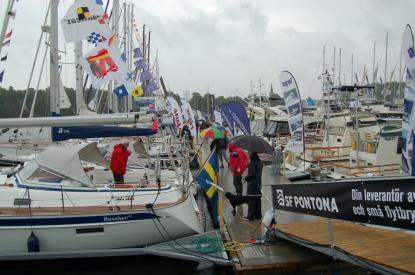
408,118
175,110
189,116
86,20
295,114
104,64
218,117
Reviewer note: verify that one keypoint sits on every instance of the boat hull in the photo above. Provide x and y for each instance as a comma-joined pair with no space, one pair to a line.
103,231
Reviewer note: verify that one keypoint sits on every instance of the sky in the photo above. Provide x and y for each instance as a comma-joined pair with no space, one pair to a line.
221,46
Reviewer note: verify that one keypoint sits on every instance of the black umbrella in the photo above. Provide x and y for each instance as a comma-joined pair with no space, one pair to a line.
253,144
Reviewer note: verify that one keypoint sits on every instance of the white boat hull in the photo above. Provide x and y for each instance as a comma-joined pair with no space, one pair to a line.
103,231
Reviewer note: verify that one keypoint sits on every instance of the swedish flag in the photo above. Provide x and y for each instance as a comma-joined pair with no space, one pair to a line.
208,181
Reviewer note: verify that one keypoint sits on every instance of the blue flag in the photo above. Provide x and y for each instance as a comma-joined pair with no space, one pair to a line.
208,181
137,53
121,91
145,75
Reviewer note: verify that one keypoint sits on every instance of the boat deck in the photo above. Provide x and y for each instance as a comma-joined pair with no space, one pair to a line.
391,250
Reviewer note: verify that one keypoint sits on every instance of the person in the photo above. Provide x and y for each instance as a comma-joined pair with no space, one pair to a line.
185,133
254,179
220,145
237,164
119,159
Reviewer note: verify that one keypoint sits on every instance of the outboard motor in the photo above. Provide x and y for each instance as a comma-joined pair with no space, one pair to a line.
33,243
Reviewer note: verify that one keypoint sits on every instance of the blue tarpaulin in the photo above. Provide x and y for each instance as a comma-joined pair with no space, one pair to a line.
81,132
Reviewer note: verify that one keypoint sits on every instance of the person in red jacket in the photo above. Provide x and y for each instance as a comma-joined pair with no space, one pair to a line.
119,159
237,164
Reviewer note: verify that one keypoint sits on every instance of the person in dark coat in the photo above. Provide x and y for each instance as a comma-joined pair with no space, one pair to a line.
254,179
220,145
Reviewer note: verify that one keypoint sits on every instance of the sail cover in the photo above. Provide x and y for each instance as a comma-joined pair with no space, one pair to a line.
292,100
82,132
408,119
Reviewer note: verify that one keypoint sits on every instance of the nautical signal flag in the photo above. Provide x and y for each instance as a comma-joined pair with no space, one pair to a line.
137,91
1,76
137,53
121,91
208,181
9,34
4,58
95,38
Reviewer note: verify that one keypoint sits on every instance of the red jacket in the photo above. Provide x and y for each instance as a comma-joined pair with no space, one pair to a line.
237,160
119,159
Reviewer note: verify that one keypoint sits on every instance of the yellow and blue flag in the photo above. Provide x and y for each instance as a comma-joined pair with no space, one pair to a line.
208,181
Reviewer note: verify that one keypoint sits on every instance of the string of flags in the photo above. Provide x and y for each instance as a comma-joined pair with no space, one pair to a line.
6,43
86,20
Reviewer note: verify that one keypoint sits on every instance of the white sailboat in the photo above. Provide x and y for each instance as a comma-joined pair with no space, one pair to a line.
66,197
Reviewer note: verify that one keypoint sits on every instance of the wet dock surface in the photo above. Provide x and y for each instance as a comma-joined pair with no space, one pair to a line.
282,255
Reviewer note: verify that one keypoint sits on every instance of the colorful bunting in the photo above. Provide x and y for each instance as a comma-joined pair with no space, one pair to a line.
138,91
137,53
4,58
95,38
83,18
145,75
121,91
9,34
1,76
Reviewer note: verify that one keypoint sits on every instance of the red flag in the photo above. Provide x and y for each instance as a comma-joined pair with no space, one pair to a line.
9,34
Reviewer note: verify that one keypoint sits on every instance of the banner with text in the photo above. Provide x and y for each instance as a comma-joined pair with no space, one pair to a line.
239,116
292,100
388,202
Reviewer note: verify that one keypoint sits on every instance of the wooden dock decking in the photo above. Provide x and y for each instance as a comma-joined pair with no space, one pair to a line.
392,249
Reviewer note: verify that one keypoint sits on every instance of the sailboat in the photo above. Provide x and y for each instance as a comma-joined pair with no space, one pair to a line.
66,198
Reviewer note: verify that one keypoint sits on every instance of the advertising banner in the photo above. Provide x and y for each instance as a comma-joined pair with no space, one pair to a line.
189,117
388,201
223,108
239,116
408,118
292,100
175,110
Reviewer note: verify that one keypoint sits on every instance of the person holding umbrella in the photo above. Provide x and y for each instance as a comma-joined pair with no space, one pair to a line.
254,179
237,164
254,145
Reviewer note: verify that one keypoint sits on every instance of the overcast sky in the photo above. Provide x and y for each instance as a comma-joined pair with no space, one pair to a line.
221,45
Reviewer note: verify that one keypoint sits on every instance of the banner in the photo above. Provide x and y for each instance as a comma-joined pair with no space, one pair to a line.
388,202
223,108
86,20
218,117
189,116
175,110
239,116
292,100
104,64
408,118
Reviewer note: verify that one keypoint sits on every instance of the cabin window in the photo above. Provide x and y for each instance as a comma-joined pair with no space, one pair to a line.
399,146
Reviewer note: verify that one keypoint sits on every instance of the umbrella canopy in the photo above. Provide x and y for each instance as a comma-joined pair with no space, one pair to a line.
212,132
253,144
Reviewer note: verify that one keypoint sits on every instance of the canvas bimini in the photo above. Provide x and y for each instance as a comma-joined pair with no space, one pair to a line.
67,198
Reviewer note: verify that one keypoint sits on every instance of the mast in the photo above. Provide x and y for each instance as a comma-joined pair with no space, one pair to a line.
115,24
352,77
125,41
334,63
340,66
54,58
79,76
130,50
6,21
386,67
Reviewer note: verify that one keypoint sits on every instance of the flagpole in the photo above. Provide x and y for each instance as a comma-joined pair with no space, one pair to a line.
6,21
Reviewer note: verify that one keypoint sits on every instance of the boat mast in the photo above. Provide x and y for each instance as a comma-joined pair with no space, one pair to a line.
340,66
79,77
54,58
130,51
374,68
6,21
115,28
125,38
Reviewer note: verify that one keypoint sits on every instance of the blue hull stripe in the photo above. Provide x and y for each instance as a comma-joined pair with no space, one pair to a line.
21,184
69,220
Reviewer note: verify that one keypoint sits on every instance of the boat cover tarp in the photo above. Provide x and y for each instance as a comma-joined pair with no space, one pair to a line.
66,160
82,132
